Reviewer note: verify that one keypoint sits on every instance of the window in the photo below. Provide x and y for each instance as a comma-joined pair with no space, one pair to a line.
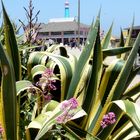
69,33
55,33
81,32
44,33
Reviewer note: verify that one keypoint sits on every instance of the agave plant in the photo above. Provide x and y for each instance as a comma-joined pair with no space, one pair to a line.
93,100
98,87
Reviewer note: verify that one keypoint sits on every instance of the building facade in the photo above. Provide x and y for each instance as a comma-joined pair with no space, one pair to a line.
135,31
63,30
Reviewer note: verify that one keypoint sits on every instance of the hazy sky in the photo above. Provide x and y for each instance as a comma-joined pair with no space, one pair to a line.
119,11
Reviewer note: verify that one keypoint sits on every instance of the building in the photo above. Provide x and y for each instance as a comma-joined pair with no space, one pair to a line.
63,30
136,30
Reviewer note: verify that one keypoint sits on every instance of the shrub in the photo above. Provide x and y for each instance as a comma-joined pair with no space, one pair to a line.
94,101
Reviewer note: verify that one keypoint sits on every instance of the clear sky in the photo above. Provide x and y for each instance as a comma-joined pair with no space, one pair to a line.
119,11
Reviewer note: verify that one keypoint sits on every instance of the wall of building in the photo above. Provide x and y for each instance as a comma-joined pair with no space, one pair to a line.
64,37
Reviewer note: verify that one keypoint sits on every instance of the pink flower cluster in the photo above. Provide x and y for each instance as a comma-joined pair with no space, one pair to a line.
66,107
48,73
71,104
64,117
46,83
108,119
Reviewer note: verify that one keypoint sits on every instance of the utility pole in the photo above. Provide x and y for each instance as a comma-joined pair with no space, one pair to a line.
78,23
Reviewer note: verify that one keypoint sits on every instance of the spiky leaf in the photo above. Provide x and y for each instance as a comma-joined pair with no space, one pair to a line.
11,45
8,92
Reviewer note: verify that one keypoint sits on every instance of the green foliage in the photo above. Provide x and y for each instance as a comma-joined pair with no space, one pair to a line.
84,59
11,45
8,96
106,40
128,41
95,86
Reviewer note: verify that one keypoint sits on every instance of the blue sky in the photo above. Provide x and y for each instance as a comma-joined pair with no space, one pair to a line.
118,11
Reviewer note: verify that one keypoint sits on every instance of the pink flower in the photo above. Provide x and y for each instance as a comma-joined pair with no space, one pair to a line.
112,121
59,119
111,115
103,124
66,107
73,102
108,119
47,83
47,73
51,86
64,117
